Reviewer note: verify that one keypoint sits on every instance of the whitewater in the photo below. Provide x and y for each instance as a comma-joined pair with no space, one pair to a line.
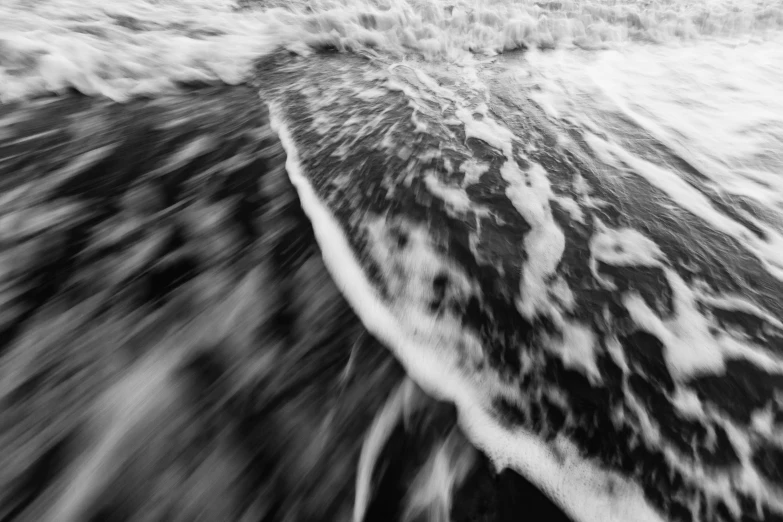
564,218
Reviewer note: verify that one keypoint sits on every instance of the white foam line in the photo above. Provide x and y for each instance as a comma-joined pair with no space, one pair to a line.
585,492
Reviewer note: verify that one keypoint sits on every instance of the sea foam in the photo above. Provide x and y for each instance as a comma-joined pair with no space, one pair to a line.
142,47
585,491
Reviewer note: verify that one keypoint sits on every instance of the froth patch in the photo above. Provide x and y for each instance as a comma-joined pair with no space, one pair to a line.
624,246
694,345
456,199
528,189
577,347
473,170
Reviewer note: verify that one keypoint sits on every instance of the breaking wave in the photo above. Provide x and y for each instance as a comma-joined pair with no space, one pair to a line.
578,246
138,48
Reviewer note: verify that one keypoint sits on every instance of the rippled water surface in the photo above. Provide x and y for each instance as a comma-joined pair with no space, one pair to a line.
391,260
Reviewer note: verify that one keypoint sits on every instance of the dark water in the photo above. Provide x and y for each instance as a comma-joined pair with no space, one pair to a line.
172,346
627,417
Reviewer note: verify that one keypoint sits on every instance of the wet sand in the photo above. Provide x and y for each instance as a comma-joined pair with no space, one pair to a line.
171,344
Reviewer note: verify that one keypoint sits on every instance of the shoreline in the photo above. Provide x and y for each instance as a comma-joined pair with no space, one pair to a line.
81,167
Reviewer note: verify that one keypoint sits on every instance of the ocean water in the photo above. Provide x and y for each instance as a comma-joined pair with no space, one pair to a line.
563,218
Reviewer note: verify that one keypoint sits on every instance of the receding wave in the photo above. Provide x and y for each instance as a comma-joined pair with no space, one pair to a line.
543,288
362,260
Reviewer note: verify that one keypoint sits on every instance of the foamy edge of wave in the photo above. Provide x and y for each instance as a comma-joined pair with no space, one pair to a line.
138,48
582,489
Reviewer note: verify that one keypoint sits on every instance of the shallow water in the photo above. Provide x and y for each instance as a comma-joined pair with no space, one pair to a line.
563,218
